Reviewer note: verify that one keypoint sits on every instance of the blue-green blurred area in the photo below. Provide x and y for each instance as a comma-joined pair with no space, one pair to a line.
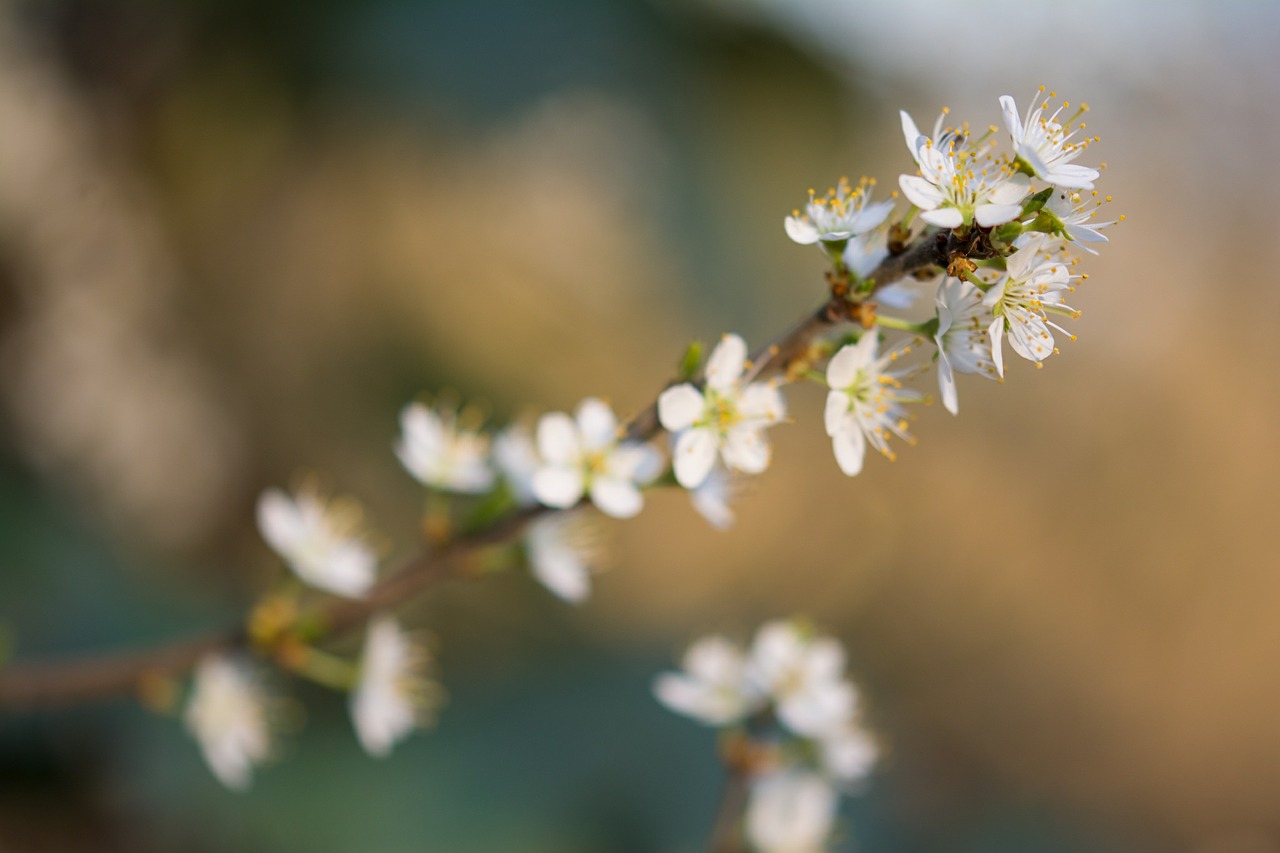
236,237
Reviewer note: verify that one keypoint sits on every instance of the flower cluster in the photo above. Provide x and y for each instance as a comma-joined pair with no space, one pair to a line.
788,695
997,249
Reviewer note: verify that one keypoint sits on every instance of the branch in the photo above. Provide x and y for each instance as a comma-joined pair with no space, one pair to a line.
50,684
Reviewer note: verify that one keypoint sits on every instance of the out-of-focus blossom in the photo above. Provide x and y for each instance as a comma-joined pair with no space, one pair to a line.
713,687
791,811
227,714
440,454
393,692
319,541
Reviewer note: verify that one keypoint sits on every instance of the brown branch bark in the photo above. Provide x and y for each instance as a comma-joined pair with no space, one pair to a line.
64,682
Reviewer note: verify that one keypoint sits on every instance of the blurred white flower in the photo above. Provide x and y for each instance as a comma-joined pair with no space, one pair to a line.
804,676
842,213
563,549
582,456
392,693
791,811
864,404
516,456
319,541
1033,286
725,418
964,345
440,454
227,715
959,184
1045,144
714,687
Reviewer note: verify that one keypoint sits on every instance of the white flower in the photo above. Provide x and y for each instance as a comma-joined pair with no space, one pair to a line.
392,692
791,811
712,498
848,754
964,346
842,213
1045,145
584,457
318,541
713,687
227,715
563,549
804,676
1032,287
1077,216
517,458
959,184
864,402
726,416
440,454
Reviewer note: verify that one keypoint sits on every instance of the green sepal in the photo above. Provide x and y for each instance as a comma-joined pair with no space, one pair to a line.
1037,201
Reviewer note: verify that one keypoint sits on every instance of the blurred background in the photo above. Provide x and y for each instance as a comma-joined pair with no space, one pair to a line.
236,236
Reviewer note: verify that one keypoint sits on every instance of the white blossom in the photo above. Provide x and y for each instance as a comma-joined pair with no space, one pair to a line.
319,541
714,687
582,455
1046,146
842,213
440,454
727,417
864,404
563,549
391,695
959,183
227,714
1033,286
791,811
804,676
1077,217
964,345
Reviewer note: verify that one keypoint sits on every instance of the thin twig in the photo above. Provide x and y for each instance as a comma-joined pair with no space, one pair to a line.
96,677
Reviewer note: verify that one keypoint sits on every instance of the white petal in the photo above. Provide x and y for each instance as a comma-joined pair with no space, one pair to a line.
910,132
694,454
639,463
990,215
1010,191
562,572
996,331
559,487
616,497
920,192
679,407
801,230
836,409
871,216
843,368
746,449
597,424
1011,120
850,447
726,363
761,401
897,295
947,217
279,521
947,384
558,441
1071,176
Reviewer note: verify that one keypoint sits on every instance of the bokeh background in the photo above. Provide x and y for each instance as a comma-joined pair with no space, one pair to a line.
236,236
